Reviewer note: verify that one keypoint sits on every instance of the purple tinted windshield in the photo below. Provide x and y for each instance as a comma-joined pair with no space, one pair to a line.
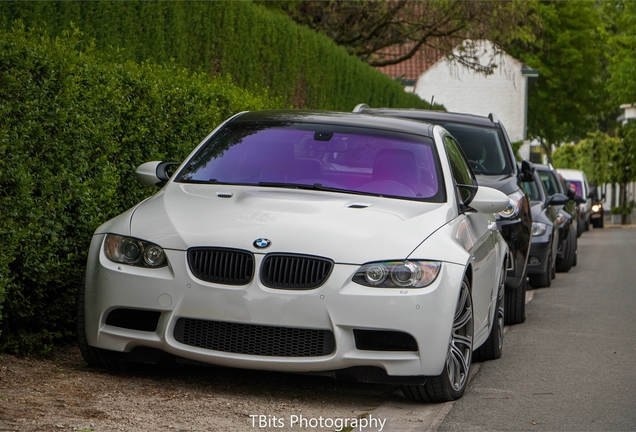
356,160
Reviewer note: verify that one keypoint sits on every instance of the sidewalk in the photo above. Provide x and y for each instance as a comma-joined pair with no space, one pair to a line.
608,224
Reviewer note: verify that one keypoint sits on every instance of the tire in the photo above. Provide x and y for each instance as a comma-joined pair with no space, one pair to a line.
91,355
493,347
569,253
515,304
553,270
579,228
587,225
542,280
576,252
599,223
451,384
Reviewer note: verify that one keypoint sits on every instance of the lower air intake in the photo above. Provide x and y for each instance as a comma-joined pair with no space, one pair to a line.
254,339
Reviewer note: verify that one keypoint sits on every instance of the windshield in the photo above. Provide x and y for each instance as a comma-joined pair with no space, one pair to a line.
549,181
576,186
532,189
297,155
484,148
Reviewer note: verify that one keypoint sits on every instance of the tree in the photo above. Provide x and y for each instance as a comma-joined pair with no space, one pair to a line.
385,32
566,156
604,159
594,155
624,163
569,99
620,16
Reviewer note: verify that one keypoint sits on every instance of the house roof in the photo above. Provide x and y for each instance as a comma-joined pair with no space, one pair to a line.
409,70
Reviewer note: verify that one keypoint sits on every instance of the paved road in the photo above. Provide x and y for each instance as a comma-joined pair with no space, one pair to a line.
569,367
572,365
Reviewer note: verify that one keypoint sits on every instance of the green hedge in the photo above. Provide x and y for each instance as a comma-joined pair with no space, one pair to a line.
77,117
259,48
73,128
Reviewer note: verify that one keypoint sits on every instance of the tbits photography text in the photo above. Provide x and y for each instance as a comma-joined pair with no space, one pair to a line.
298,421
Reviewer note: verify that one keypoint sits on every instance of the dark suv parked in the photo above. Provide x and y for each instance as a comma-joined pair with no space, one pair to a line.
568,246
487,147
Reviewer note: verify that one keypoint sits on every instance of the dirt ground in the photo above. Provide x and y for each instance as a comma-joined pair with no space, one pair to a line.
62,393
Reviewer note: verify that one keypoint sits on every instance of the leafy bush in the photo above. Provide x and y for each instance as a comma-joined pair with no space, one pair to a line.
623,210
73,128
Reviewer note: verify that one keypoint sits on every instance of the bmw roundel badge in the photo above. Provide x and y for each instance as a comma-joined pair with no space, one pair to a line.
261,243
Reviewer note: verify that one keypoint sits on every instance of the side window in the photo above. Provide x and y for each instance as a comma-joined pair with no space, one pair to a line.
462,173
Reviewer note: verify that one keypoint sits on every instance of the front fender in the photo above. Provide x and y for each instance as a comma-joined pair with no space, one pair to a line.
451,243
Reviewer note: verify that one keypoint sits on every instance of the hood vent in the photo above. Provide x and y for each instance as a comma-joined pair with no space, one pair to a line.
221,265
295,272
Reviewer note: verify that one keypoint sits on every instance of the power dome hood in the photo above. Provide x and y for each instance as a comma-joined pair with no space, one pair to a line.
345,228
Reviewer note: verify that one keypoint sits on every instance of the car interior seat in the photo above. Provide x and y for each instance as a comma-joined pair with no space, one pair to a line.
397,165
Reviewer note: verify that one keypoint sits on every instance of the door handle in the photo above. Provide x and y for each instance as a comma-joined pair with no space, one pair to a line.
492,226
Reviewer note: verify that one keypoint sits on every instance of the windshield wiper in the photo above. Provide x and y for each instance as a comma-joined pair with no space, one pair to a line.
315,186
210,181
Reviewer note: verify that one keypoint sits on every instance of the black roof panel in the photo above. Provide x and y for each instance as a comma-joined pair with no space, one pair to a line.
340,119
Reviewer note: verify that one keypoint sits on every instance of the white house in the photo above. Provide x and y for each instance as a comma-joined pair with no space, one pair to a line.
629,113
461,89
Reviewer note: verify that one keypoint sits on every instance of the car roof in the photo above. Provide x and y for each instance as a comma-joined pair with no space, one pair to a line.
541,167
571,173
432,116
338,119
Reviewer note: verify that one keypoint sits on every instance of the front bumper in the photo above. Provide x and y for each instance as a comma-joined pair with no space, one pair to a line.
340,307
539,258
517,234
597,214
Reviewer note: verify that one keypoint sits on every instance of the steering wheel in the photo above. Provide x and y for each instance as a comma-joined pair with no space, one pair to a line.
477,166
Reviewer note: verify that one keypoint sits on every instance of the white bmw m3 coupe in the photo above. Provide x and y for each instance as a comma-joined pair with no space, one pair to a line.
310,242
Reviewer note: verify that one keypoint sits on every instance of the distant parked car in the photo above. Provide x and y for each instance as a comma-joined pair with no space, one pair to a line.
306,241
598,213
545,232
487,147
569,214
578,182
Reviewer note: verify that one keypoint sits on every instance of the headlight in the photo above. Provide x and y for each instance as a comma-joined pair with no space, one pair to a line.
560,218
398,274
514,205
135,252
596,208
538,228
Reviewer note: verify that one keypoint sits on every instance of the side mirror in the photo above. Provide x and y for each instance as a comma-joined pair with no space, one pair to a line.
488,200
579,199
558,199
527,171
154,173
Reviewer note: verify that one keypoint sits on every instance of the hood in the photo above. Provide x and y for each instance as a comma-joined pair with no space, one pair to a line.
504,183
346,228
536,207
